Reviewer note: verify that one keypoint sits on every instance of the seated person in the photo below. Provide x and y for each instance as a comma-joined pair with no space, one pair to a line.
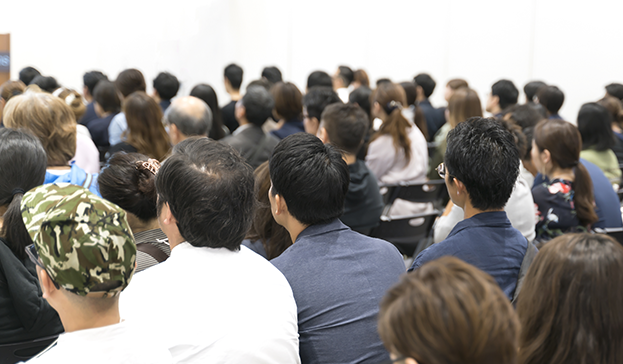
90,79
344,126
314,103
318,78
337,276
127,82
206,93
249,139
551,98
288,109
480,169
107,106
186,117
165,88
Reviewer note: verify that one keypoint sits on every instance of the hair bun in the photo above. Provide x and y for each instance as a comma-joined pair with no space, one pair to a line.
151,165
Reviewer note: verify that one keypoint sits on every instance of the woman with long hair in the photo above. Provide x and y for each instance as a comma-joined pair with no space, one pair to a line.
565,201
288,109
206,93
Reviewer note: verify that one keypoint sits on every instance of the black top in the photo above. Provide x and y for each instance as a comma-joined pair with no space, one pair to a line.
556,210
435,118
88,115
228,113
99,130
253,144
363,204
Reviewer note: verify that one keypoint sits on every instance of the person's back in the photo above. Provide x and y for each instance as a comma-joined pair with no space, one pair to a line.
435,117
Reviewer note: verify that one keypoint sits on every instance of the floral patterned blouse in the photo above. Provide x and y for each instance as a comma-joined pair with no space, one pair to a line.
555,210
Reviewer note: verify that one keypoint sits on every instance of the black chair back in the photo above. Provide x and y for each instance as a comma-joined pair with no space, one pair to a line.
433,191
409,234
14,353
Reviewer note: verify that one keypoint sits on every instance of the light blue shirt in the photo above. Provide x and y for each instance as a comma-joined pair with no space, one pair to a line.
117,126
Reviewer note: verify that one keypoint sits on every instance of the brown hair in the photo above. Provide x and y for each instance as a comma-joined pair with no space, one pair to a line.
49,119
564,143
463,105
570,303
74,100
448,311
614,107
392,99
10,89
274,237
288,100
362,77
145,131
457,83
129,81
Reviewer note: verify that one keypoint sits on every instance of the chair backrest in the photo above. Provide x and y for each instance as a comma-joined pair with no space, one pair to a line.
13,353
406,233
616,233
431,191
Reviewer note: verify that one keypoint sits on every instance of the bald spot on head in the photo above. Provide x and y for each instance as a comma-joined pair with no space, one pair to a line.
190,115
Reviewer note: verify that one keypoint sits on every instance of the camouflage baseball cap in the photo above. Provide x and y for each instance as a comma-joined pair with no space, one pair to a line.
84,241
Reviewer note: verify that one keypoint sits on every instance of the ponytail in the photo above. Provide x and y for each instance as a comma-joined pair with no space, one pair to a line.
583,198
396,126
13,229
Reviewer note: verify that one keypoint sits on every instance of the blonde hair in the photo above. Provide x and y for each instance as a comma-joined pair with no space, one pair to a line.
11,88
73,99
463,105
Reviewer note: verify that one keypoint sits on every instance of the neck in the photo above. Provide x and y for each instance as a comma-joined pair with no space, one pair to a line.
420,98
59,167
470,211
496,110
349,158
294,227
235,95
562,173
81,319
243,121
138,226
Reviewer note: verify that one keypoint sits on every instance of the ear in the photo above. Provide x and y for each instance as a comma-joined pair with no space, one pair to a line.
47,286
323,135
495,99
166,217
280,205
460,186
545,156
175,134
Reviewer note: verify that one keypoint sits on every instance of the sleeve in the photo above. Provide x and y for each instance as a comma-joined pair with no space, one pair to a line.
380,157
541,197
445,224
117,126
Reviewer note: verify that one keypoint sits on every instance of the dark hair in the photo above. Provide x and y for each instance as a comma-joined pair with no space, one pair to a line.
319,78
524,115
613,89
125,182
614,107
272,74
564,143
45,83
233,73
457,83
426,82
381,81
346,74
482,154
274,237
529,133
518,135
449,311
258,104
410,92
90,80
507,93
346,125
317,99
206,93
361,97
130,80
551,98
570,303
418,115
107,96
167,85
145,130
189,123
22,167
288,100
27,74
208,181
262,82
595,126
531,88
362,77
311,177
395,124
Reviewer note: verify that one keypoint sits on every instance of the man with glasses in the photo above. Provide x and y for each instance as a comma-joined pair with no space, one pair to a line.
480,170
85,256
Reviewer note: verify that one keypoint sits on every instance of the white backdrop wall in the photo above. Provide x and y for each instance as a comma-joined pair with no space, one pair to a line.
574,45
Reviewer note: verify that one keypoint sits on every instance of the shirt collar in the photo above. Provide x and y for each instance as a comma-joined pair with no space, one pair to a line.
483,219
322,228
242,128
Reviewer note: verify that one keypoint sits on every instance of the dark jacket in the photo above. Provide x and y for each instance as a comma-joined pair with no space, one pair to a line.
435,118
253,144
363,204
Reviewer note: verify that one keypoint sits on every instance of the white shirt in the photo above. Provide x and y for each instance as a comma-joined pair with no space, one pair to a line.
114,344
87,156
210,305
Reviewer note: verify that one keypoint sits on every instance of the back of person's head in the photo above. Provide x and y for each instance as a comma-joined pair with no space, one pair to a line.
49,119
383,80
482,154
563,142
90,80
22,167
145,131
208,181
73,99
391,99
206,93
10,89
531,88
261,82
410,92
518,136
317,99
463,105
274,237
570,303
448,311
595,126
524,115
457,83
272,74
166,85
233,73
129,181
360,77
27,74
346,125
551,97
319,78
506,91
107,96
288,100
311,177
614,107
130,80
613,89
361,97
426,82
45,83
258,104
190,115
346,74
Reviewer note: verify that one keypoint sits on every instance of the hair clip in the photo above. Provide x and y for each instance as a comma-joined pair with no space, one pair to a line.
151,165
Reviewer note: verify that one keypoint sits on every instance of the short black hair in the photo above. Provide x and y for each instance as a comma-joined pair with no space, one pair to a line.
317,99
551,97
531,88
167,85
258,104
529,134
272,74
346,126
506,91
483,155
319,78
233,73
45,83
524,115
107,96
90,80
130,80
426,82
595,126
382,80
613,89
346,74
311,177
361,97
208,182
27,74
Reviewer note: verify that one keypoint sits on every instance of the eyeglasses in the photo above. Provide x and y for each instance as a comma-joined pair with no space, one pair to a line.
31,251
441,170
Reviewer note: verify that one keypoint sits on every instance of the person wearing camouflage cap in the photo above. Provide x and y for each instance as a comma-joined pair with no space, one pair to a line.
85,256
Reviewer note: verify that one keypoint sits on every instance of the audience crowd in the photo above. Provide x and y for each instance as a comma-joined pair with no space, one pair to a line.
167,228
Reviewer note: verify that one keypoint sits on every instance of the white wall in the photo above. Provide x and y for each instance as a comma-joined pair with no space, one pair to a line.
574,45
